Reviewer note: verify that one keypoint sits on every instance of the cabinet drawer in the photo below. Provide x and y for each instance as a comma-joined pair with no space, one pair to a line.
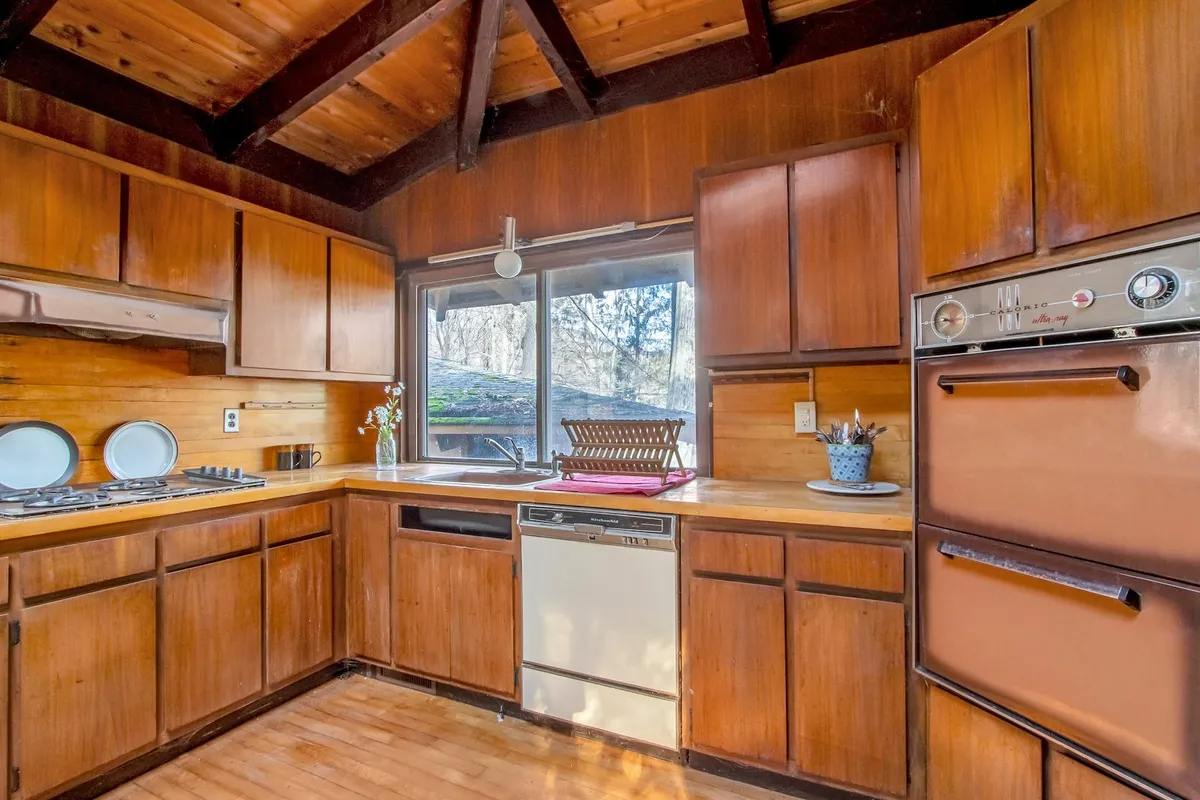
870,567
1024,628
220,537
293,523
747,554
71,566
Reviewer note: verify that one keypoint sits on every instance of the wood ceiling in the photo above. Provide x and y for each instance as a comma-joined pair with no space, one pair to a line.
351,99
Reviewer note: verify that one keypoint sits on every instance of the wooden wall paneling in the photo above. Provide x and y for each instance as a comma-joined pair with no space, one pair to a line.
850,565
299,612
1117,142
178,242
369,530
974,754
87,671
211,638
849,718
423,575
282,320
71,566
362,310
482,620
204,540
59,213
846,240
1071,780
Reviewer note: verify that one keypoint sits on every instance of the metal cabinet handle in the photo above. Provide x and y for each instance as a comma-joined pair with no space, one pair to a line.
1122,594
1125,375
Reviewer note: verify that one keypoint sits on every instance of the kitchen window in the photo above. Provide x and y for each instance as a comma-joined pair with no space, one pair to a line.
575,337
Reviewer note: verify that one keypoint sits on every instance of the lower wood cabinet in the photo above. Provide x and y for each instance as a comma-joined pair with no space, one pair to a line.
87,684
1071,780
211,638
369,527
976,755
299,610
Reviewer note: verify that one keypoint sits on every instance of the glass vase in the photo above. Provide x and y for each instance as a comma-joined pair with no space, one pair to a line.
386,451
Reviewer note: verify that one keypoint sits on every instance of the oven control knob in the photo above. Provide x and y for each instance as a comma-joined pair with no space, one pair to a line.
224,472
1147,286
1083,298
1152,288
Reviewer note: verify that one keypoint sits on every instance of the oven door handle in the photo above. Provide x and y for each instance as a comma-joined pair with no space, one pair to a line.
1125,375
1113,591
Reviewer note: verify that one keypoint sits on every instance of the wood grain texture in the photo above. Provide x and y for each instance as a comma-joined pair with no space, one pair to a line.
846,240
299,611
58,213
293,523
282,315
87,667
369,528
849,719
211,638
483,32
974,144
974,754
423,575
362,310
203,540
736,645
754,424
741,554
59,569
850,565
482,620
4,581
743,268
1116,140
1071,780
178,242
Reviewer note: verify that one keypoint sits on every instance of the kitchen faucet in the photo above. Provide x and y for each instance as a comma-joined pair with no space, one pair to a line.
516,456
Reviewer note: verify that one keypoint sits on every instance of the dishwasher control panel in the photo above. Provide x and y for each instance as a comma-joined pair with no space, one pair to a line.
616,527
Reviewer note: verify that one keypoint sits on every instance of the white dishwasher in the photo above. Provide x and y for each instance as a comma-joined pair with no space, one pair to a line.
600,620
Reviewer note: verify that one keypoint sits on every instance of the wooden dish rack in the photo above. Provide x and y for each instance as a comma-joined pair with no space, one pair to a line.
622,447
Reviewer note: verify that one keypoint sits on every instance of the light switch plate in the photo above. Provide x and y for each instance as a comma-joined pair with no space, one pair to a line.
233,420
806,417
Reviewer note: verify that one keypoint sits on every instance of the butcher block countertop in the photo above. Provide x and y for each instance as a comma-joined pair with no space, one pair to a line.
751,501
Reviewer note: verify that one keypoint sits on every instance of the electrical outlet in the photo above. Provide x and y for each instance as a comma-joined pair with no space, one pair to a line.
806,417
232,420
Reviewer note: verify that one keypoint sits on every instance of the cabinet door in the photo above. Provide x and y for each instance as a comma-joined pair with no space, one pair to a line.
973,754
362,310
178,242
744,271
299,608
368,578
737,642
87,671
423,577
1119,135
58,212
849,718
847,250
283,315
481,625
211,638
1070,780
975,157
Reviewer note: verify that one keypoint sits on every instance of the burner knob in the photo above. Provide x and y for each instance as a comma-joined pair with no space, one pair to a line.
237,473
224,472
206,470
1083,298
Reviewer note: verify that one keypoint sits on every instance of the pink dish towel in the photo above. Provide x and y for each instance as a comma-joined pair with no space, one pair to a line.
619,484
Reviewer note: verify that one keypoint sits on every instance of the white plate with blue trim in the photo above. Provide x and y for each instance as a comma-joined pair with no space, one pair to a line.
141,449
866,490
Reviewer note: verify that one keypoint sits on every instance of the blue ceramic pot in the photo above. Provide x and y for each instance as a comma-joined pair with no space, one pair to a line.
850,463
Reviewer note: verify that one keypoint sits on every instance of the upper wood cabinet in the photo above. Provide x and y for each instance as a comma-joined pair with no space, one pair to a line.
58,212
282,318
974,754
362,310
975,151
846,240
178,242
743,268
1116,113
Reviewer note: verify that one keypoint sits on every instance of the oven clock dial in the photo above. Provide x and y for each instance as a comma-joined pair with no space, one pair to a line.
1152,288
949,319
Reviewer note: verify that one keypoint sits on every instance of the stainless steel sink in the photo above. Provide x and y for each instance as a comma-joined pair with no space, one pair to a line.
486,477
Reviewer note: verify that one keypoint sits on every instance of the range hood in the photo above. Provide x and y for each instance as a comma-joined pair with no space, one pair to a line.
99,314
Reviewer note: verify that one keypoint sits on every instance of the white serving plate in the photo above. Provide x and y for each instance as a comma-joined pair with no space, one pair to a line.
141,449
878,488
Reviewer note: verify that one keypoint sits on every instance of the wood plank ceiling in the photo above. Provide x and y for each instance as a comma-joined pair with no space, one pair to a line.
350,99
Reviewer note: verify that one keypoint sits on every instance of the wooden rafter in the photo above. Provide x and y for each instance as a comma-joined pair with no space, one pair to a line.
482,37
331,62
549,30
18,18
760,35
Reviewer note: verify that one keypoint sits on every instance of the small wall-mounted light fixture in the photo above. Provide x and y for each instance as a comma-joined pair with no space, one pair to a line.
508,262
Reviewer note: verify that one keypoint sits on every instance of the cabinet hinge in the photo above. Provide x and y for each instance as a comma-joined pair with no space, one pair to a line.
14,633
516,676
514,569
897,161
16,780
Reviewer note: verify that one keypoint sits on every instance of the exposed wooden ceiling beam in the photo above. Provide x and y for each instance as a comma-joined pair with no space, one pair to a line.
415,160
331,62
18,18
549,30
482,37
760,35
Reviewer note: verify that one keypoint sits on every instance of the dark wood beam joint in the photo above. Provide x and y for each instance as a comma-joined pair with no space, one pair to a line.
416,159
760,34
549,30
482,38
18,18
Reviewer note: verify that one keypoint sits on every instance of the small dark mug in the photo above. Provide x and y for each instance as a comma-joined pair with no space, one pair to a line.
286,457
307,456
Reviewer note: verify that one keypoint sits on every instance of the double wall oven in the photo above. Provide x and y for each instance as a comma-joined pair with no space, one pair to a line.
1058,506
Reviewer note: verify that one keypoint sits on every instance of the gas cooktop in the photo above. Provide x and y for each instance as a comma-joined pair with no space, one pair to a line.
24,503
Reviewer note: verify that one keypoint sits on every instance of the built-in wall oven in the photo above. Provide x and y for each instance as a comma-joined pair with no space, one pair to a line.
1058,477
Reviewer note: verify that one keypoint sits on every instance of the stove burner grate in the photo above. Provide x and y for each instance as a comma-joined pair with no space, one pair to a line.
132,484
23,495
68,499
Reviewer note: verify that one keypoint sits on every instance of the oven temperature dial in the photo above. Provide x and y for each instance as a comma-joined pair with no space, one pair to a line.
1152,288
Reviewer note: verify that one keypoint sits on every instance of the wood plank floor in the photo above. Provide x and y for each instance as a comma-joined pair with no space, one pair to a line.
360,738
